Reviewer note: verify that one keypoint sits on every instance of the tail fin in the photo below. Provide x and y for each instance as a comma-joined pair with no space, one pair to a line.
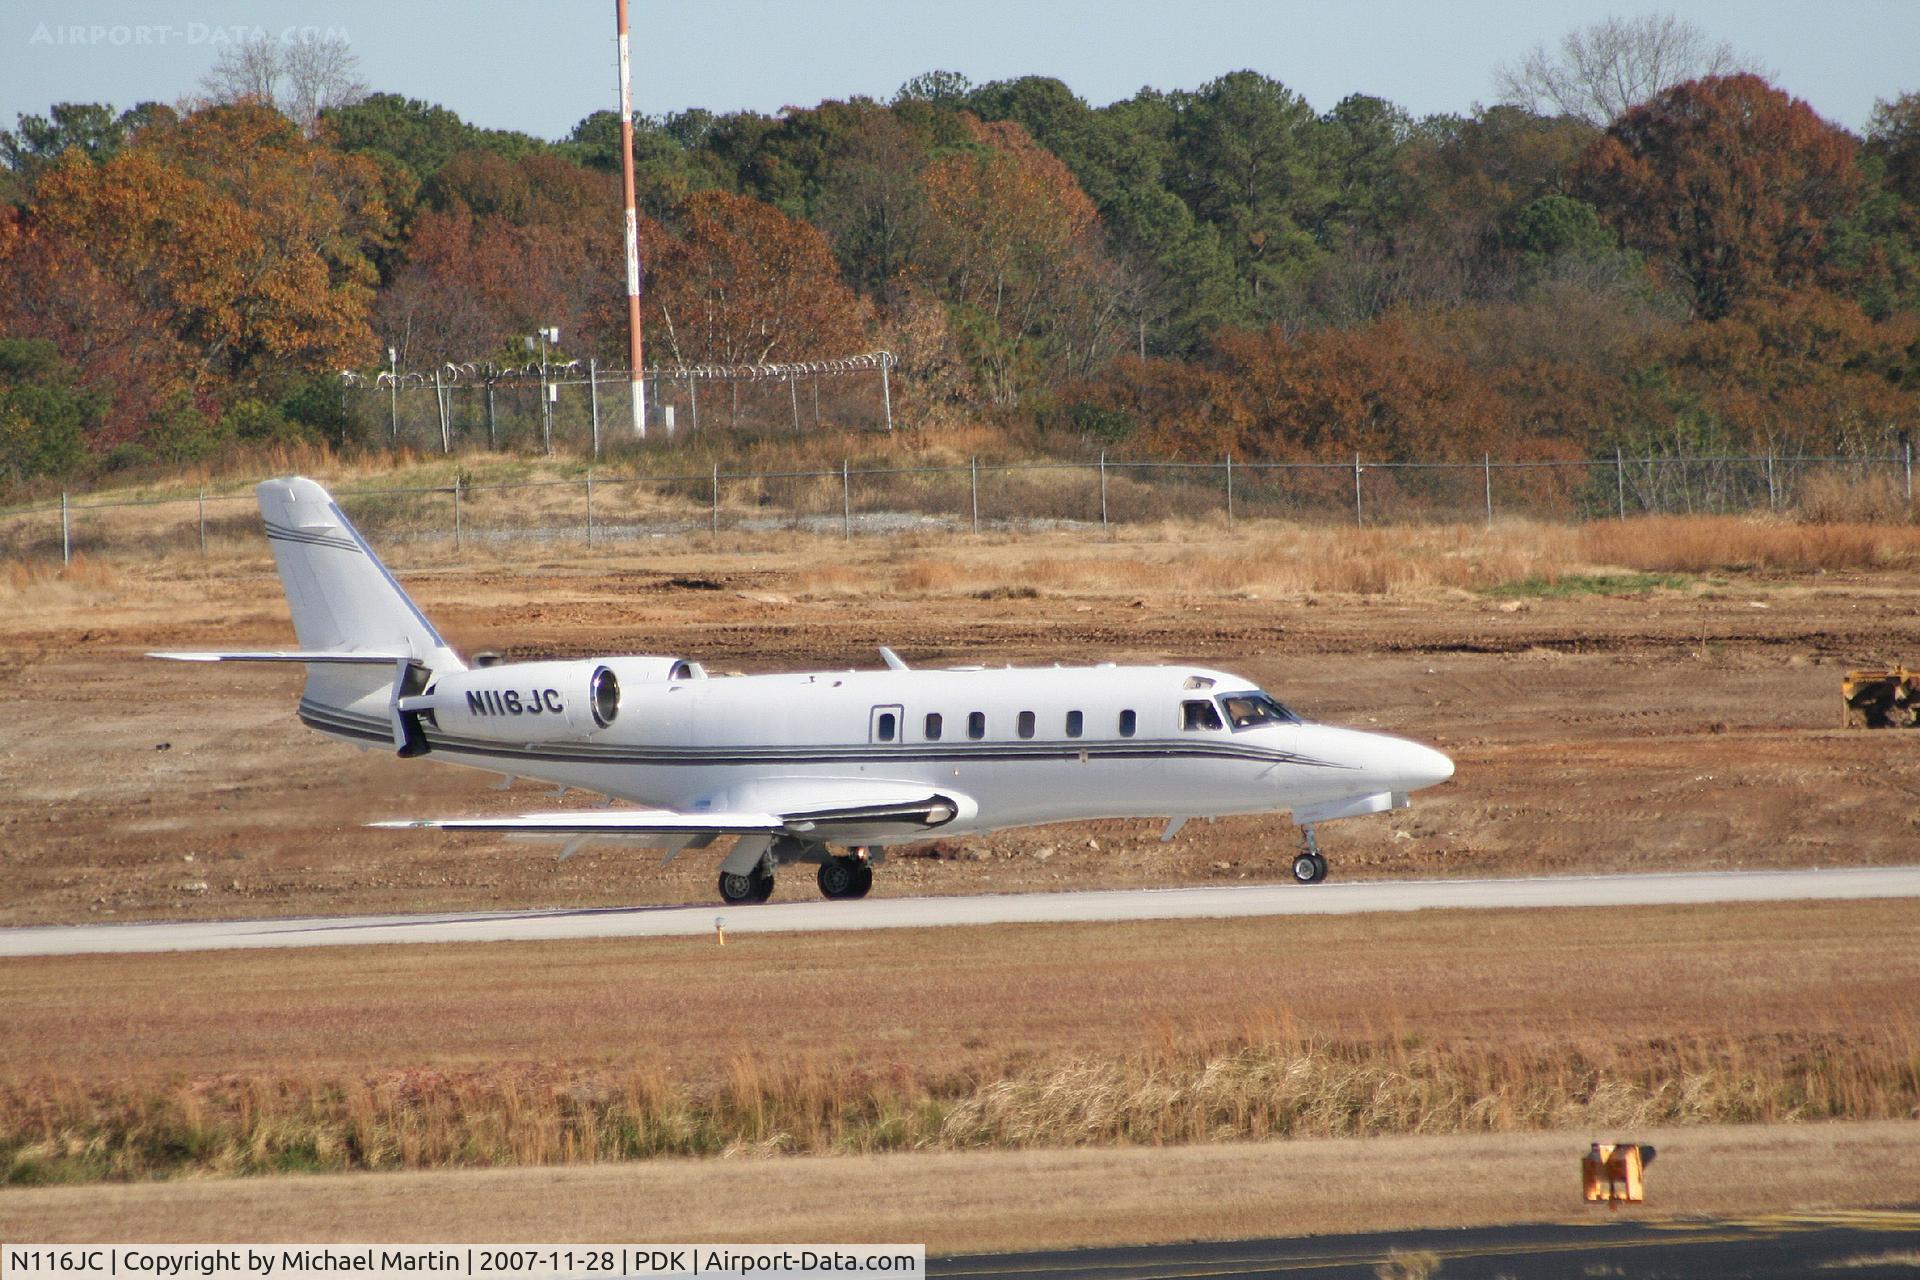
341,596
365,645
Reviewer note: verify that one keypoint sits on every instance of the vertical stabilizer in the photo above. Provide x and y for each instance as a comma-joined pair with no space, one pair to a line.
341,596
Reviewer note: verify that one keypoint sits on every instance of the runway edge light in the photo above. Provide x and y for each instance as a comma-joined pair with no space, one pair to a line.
1613,1172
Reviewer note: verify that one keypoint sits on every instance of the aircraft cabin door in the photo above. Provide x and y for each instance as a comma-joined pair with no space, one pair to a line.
885,724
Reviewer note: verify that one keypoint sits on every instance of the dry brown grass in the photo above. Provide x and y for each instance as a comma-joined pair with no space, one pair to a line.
973,1201
32,585
1147,552
1418,561
1010,1037
1261,1087
1713,544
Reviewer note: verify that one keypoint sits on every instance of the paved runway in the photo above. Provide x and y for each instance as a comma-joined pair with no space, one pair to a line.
1014,908
1772,1247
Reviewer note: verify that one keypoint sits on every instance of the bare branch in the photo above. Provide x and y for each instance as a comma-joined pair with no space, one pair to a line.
320,76
246,72
300,77
1599,71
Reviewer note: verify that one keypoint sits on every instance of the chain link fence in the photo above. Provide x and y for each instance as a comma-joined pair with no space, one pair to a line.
608,507
582,410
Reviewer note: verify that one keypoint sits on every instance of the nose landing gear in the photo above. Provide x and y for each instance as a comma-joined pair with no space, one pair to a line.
1309,865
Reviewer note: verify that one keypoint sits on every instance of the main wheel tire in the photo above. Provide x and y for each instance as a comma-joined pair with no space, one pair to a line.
1309,868
743,890
838,878
863,881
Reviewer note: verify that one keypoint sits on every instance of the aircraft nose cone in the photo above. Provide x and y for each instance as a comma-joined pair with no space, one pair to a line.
1377,761
1425,767
1409,766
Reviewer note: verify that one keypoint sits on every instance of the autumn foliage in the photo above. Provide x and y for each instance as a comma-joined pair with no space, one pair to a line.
1732,186
249,239
1184,273
738,282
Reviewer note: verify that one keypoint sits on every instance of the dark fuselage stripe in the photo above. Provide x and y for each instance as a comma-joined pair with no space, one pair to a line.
329,720
278,533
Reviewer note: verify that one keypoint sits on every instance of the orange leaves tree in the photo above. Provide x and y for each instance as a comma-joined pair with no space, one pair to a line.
1377,390
1729,184
250,239
1385,391
505,247
1806,371
52,290
736,281
1014,248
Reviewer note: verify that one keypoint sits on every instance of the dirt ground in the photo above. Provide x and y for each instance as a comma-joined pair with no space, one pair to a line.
1670,728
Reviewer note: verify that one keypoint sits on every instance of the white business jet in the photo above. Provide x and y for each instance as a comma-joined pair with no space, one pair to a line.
791,766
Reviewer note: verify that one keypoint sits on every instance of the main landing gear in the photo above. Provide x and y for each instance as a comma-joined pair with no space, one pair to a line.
754,886
849,876
1309,866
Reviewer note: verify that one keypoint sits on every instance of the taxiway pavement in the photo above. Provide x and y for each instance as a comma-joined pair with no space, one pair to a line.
1205,902
1781,1246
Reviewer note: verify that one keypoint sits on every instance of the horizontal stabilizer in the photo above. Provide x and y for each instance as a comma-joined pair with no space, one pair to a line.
348,656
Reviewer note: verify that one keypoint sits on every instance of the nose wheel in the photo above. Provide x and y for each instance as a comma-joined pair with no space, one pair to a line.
1309,865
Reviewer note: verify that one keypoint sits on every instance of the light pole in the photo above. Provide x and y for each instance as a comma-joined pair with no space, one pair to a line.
549,334
393,393
636,365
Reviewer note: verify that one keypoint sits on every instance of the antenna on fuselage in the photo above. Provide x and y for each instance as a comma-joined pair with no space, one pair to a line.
893,660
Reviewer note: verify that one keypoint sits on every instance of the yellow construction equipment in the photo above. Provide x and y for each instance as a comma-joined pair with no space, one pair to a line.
1611,1171
1880,698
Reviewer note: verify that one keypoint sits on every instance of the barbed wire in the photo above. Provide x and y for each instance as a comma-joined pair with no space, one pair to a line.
486,372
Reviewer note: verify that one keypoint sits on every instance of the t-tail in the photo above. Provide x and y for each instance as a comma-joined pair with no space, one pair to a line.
364,641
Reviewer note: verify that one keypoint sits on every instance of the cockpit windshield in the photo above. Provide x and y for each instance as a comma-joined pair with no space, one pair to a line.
1254,709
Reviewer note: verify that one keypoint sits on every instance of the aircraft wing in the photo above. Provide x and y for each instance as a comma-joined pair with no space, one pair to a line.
823,809
604,822
351,657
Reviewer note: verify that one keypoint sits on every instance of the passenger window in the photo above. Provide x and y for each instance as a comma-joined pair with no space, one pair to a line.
1126,724
1199,714
887,726
1026,724
1073,724
976,725
933,726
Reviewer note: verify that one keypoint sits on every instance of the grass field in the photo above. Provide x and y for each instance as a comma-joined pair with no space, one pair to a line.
1007,1037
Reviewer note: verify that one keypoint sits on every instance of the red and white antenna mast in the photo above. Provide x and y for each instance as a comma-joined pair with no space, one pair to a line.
634,362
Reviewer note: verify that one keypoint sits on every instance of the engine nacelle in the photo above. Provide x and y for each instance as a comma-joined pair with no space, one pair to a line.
522,701
648,669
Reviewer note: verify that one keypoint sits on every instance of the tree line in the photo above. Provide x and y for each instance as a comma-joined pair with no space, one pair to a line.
1189,272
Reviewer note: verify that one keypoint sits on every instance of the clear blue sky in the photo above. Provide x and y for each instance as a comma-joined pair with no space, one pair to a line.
542,67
